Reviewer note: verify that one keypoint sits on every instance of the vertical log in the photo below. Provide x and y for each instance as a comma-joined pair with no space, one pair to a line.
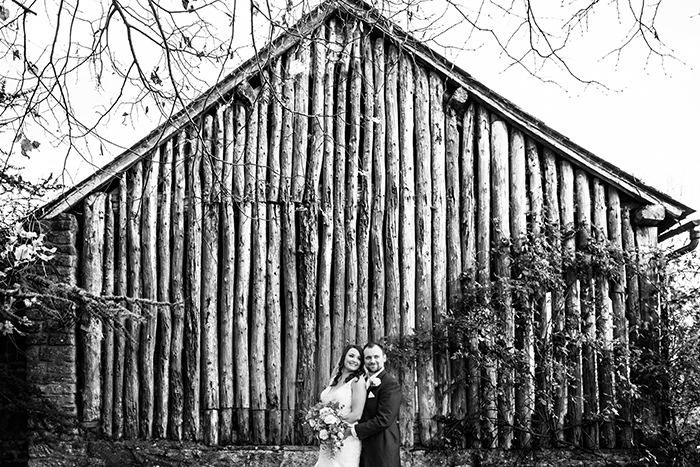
160,421
630,246
654,402
392,322
238,169
541,317
468,229
257,141
604,324
211,179
525,367
351,189
376,240
133,324
109,327
241,288
302,61
407,239
573,312
92,260
339,162
483,267
588,331
290,303
438,233
308,372
325,349
177,288
365,192
458,396
273,304
193,291
120,288
500,187
424,314
225,141
552,221
619,322
149,279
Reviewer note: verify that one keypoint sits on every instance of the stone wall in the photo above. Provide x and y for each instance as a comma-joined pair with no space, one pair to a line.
40,369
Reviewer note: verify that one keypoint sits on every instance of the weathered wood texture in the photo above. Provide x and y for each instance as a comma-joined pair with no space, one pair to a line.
349,193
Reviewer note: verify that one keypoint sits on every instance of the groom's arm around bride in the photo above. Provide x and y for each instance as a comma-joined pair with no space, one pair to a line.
379,428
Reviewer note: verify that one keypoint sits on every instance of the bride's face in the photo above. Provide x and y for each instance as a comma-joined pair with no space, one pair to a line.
352,360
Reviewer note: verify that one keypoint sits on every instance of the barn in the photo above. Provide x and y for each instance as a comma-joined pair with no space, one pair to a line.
349,185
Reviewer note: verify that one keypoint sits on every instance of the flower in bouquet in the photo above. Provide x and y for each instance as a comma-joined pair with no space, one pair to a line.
328,425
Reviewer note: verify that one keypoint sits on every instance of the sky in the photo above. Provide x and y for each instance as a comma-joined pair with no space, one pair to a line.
644,117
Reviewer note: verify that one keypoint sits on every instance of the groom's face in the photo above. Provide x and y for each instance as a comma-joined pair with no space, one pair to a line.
374,359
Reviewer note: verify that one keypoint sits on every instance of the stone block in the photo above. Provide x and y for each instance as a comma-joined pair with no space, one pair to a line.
62,338
57,353
60,237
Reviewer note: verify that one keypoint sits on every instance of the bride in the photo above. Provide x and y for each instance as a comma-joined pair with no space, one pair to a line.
348,388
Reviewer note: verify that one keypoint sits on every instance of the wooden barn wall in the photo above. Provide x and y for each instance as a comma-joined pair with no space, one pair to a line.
346,194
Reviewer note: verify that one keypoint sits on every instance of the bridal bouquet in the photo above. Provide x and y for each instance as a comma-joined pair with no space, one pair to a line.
327,424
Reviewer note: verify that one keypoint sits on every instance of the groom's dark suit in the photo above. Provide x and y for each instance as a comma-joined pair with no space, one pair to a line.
379,427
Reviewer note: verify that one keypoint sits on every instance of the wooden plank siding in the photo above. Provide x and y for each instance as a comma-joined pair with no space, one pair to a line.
349,191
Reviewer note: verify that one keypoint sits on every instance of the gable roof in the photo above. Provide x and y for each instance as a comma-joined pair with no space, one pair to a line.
363,12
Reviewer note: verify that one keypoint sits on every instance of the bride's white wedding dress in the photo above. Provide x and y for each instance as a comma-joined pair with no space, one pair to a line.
349,454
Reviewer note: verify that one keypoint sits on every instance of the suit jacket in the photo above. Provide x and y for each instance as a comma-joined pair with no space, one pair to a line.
378,427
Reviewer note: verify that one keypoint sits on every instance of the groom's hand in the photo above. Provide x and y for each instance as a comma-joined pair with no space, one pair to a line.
348,433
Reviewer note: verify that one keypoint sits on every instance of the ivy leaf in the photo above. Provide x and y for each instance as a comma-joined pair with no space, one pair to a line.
4,13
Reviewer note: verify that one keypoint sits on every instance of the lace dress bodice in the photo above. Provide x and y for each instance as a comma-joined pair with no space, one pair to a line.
349,454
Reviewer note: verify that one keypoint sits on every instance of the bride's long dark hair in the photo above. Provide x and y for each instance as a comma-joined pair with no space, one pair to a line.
339,369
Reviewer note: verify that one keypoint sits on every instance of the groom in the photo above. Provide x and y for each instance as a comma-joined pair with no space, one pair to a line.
378,427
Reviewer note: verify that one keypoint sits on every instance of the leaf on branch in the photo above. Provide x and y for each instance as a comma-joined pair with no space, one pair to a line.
185,4
15,55
155,78
4,13
26,146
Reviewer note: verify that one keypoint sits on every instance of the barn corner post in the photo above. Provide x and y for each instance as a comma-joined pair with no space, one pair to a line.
653,408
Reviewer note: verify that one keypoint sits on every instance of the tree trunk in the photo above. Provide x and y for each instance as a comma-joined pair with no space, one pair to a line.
131,364
225,132
392,322
424,314
273,304
211,176
120,288
160,422
573,312
322,197
407,222
193,291
92,261
351,189
468,229
620,327
177,296
108,328
553,231
483,277
439,235
590,380
376,240
257,143
604,325
290,302
365,193
523,303
501,228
